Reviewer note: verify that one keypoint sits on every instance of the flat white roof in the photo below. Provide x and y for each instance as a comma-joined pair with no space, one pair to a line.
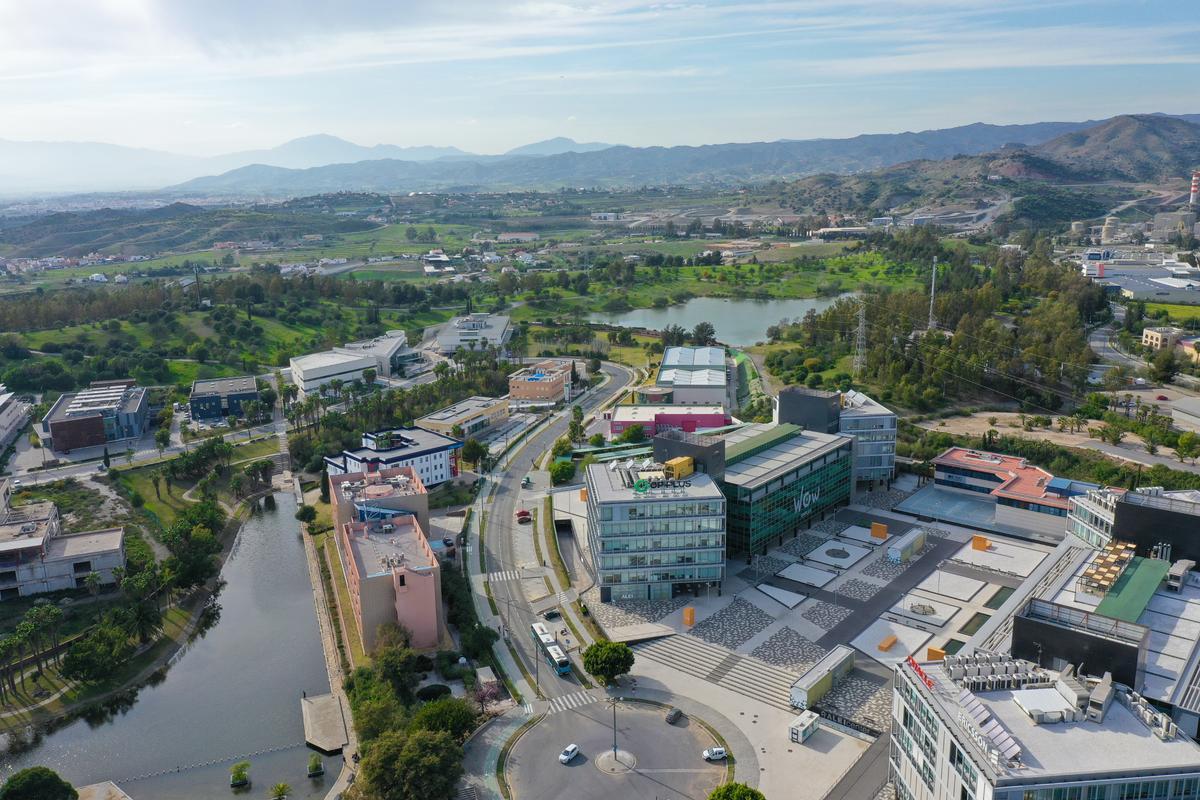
91,543
693,357
692,377
329,358
645,413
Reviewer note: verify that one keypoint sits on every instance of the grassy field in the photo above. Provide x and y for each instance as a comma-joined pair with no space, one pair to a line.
1176,311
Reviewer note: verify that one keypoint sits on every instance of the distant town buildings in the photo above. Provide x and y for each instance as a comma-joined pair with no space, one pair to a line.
652,536
221,397
474,332
107,411
36,556
432,455
472,416
387,355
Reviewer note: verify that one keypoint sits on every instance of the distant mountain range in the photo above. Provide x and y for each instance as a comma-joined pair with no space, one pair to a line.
27,167
1069,146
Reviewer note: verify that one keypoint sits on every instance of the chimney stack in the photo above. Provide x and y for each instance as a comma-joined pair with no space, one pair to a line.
1194,199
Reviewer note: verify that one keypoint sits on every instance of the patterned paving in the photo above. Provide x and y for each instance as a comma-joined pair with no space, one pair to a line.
631,612
882,568
787,648
733,625
859,590
802,545
888,792
830,526
766,566
825,615
861,699
885,498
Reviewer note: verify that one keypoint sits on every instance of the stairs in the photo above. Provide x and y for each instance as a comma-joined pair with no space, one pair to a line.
743,675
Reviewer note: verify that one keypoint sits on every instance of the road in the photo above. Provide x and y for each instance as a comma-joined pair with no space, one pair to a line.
501,530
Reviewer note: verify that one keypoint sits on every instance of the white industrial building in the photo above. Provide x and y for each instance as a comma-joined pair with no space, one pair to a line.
13,416
698,376
388,355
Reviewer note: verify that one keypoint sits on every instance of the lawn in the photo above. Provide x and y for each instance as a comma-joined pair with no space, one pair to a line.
166,504
1176,311
264,447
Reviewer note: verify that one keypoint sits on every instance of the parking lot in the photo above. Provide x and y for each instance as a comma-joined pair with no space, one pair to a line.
668,761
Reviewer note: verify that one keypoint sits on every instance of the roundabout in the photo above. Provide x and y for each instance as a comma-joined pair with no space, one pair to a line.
653,759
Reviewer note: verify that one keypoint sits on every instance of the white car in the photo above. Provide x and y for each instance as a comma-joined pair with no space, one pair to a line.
568,754
714,754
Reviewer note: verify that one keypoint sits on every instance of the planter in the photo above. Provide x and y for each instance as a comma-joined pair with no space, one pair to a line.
316,773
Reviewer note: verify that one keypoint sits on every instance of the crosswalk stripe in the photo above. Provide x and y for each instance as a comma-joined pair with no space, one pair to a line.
504,575
568,701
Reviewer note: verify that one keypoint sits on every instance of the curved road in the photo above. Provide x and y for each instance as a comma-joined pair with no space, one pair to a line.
501,529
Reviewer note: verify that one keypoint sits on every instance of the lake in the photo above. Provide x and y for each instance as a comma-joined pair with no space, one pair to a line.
739,322
235,690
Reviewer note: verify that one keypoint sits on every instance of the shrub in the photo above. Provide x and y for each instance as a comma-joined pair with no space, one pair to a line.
433,691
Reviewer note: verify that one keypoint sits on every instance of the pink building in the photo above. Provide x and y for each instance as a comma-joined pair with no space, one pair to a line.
393,576
655,418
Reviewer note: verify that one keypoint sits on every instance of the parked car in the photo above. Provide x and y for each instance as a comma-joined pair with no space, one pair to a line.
524,516
673,716
1161,397
568,754
712,754
551,613
16,484
527,481
448,541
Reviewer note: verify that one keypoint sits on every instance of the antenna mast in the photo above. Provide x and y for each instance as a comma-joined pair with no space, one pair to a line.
860,339
932,293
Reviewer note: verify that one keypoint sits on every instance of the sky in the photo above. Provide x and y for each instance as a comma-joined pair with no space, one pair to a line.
486,75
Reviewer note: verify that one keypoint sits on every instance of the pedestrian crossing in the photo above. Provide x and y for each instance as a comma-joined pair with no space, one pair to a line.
528,708
504,575
569,701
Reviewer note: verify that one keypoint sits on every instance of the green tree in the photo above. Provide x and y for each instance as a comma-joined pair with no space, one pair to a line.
735,791
424,764
473,452
1165,365
452,715
162,440
607,660
633,434
703,334
37,783
398,666
477,640
596,440
306,513
561,472
1187,446
562,447
106,460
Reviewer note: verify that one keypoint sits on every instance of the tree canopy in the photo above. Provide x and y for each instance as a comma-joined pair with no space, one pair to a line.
607,660
37,783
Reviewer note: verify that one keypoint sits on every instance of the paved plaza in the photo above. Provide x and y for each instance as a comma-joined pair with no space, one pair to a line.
788,649
731,626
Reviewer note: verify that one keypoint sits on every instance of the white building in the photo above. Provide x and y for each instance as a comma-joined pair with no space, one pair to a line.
698,376
474,332
388,355
989,727
36,556
13,416
432,455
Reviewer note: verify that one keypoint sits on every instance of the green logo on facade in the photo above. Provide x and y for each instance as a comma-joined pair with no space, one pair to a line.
641,486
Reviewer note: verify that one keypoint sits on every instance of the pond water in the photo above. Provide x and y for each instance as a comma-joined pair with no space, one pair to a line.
738,322
232,692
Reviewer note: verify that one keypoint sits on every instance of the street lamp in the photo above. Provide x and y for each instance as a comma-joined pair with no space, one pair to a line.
614,702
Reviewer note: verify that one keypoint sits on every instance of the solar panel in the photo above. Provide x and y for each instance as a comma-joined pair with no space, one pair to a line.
1012,751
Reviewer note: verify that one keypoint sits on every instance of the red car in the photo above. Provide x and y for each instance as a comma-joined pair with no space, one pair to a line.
524,516
1161,397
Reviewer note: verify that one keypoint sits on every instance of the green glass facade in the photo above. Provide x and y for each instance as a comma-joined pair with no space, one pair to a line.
762,517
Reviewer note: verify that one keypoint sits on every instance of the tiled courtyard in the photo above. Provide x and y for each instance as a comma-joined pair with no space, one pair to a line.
867,702
826,615
859,590
631,612
803,544
788,649
734,624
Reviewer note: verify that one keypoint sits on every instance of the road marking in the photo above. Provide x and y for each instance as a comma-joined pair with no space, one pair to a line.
569,701
527,708
505,575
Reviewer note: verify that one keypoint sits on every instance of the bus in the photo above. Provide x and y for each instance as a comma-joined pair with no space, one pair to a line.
549,648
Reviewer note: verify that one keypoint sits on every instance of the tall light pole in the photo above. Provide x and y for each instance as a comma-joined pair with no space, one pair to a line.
614,702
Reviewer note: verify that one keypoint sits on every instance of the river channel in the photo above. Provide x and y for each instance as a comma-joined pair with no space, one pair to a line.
232,692
738,322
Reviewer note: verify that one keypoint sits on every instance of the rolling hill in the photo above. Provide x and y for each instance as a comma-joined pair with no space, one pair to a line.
1130,147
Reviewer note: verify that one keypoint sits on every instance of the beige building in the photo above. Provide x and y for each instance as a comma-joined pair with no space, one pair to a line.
542,384
472,415
1158,338
363,496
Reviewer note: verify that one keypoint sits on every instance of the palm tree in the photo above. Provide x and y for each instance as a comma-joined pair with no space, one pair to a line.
156,479
144,620
280,791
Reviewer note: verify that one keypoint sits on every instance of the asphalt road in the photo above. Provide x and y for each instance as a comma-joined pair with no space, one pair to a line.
502,528
669,764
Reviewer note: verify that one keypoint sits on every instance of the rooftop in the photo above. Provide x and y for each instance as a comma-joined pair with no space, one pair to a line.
1130,595
224,386
461,409
783,448
542,370
97,399
381,346
381,485
693,358
1019,479
1121,743
327,358
78,545
646,413
381,545
858,404
691,376
406,442
622,481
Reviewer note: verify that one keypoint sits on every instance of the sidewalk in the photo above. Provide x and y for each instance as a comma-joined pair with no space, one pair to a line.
481,753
